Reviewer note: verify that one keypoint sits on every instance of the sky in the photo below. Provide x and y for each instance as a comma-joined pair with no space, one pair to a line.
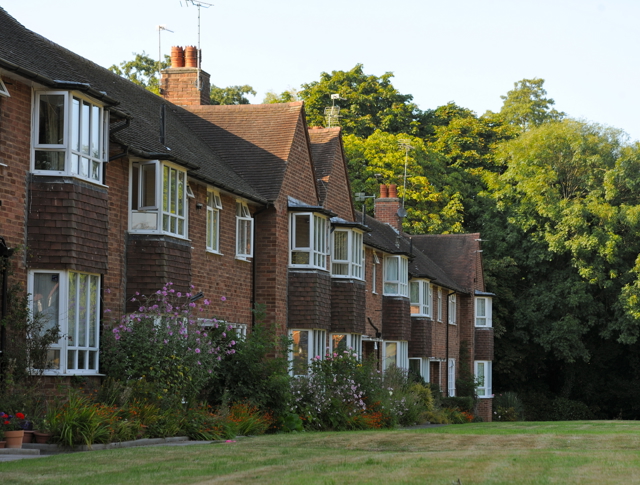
467,51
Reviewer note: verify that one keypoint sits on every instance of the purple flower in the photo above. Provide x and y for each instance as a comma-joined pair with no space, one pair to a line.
224,298
179,294
108,290
197,352
206,302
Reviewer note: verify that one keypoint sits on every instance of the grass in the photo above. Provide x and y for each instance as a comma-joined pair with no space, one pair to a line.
525,453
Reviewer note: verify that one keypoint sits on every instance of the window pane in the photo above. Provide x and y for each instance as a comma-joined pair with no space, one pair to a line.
71,359
95,132
392,269
340,269
339,343
299,257
340,245
85,122
84,167
391,349
173,192
75,125
51,120
46,298
302,238
165,190
72,321
53,359
83,314
481,307
148,185
391,288
300,351
49,160
93,311
415,292
180,194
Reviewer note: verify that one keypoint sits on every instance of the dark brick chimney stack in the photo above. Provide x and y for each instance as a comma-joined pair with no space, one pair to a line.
386,207
179,83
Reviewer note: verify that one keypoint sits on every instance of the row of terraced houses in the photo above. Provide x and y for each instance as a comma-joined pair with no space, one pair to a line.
113,190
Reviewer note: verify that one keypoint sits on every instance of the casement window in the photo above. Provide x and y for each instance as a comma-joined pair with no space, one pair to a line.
482,372
439,304
421,296
483,312
69,136
306,345
419,367
158,199
214,206
451,377
3,89
452,309
346,342
396,276
309,240
244,231
240,329
71,301
374,272
395,354
347,257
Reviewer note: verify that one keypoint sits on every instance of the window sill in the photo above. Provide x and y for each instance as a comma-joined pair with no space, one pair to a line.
486,397
248,259
158,233
68,374
306,266
217,253
421,315
483,326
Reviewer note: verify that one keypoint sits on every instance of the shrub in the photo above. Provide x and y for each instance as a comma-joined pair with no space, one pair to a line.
569,410
461,403
507,406
249,420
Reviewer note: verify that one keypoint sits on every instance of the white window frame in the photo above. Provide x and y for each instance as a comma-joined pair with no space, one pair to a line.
451,377
421,306
483,316
354,261
68,347
482,370
74,157
3,89
398,286
452,307
244,231
401,358
439,304
374,272
353,343
152,218
315,348
423,366
318,250
214,206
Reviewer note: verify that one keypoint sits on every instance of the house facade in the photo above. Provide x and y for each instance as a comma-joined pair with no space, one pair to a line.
111,191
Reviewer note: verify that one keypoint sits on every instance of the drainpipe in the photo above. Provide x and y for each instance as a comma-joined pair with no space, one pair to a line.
447,339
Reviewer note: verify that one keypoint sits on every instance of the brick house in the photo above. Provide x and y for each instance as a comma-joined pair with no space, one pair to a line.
114,191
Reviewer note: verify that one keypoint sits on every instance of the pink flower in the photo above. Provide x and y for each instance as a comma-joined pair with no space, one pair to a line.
224,298
108,290
179,294
206,302
197,352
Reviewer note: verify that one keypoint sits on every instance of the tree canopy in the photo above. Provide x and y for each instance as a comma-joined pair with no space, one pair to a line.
231,94
142,70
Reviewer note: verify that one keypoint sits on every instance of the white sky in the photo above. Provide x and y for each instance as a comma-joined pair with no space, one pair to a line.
467,51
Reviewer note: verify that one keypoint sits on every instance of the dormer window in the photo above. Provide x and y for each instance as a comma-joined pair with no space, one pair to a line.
309,240
347,254
68,136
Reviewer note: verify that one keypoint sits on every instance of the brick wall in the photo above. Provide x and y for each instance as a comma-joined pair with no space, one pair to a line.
386,210
421,343
309,299
153,260
347,306
396,315
373,301
67,225
484,344
179,85
485,409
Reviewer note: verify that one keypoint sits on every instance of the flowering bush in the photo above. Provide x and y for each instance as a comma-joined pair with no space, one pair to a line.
13,422
164,344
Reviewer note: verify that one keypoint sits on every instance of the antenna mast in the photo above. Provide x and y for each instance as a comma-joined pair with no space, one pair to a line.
160,29
406,146
198,3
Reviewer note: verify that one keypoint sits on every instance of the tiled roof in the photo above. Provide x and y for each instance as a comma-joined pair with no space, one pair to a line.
456,252
253,139
324,143
30,55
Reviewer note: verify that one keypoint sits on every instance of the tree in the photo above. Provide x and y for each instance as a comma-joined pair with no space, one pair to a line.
284,97
142,70
526,105
231,94
367,103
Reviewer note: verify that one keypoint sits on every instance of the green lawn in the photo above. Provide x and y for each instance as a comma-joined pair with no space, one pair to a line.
524,453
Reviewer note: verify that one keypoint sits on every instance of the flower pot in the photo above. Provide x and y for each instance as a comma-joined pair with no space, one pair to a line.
2,444
42,437
14,438
27,437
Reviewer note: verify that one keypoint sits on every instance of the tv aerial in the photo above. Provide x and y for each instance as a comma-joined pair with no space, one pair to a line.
332,114
160,29
406,146
199,4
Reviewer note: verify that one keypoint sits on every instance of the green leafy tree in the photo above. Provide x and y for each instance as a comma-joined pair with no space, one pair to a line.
231,94
367,103
142,70
527,106
284,97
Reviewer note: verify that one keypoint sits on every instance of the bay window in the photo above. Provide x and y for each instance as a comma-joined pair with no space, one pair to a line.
420,295
309,240
347,258
396,275
482,372
483,312
419,367
70,301
70,136
346,342
395,354
158,198
306,345
214,206
244,231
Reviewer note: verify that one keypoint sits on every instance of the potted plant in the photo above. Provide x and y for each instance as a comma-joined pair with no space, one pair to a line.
43,433
2,441
13,427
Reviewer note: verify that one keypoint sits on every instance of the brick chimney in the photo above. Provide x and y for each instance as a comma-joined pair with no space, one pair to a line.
386,207
179,83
